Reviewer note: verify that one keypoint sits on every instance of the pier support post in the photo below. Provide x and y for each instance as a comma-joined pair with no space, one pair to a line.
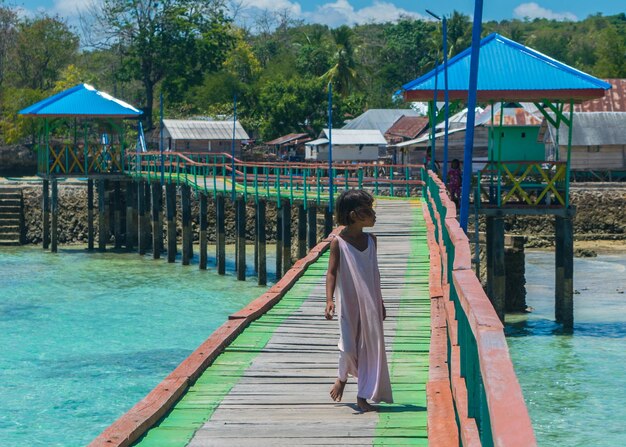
117,214
185,196
131,212
495,253
564,263
90,234
142,237
241,238
261,240
286,236
220,235
45,206
103,232
157,220
302,219
202,219
55,216
256,237
279,241
328,221
170,199
312,225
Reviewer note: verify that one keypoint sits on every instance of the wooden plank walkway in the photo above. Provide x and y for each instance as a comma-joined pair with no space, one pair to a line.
270,386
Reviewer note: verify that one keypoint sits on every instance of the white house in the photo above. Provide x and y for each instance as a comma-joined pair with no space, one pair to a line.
348,145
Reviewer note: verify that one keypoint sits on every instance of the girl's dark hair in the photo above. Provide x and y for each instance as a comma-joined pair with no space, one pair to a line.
349,201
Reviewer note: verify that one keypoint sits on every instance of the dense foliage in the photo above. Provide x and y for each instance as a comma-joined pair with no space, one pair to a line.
195,54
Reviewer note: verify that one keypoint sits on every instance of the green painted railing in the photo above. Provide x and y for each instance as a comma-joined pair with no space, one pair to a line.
79,160
213,173
488,401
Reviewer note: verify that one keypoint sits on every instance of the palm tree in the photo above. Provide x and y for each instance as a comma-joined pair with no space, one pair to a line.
343,73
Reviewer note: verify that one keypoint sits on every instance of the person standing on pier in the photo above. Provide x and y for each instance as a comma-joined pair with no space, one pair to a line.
354,278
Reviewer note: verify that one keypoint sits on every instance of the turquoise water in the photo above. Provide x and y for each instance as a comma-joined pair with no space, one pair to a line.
86,336
574,384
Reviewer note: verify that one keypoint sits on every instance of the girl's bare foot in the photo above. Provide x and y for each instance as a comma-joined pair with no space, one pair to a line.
364,405
336,392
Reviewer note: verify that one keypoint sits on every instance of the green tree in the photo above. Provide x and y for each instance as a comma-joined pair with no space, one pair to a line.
8,33
611,51
343,74
43,47
169,41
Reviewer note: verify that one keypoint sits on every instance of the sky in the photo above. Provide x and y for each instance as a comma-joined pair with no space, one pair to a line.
338,12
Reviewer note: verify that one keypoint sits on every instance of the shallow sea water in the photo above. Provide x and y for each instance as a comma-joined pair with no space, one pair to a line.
574,384
85,336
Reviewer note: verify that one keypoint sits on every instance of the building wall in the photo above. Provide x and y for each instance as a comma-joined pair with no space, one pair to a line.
596,157
518,143
205,146
343,153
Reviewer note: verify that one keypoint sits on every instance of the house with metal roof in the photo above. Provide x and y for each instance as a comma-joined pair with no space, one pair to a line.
203,136
381,119
291,146
598,142
347,145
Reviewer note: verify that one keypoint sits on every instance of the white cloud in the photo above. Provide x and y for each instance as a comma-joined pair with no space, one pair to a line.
70,8
342,12
274,5
534,11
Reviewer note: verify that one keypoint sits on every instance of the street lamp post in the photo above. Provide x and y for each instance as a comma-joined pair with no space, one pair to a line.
444,25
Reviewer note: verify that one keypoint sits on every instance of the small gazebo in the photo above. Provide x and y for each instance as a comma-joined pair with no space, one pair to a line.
82,132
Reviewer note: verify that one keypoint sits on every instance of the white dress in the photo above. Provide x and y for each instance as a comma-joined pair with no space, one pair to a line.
359,309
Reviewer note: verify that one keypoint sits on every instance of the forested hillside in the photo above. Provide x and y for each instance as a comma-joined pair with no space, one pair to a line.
194,52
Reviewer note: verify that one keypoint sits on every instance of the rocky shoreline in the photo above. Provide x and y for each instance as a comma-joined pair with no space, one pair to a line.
600,215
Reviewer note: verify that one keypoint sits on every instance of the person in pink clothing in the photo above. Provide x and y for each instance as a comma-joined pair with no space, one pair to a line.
354,279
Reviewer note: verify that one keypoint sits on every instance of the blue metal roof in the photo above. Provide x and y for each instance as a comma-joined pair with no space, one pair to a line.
508,70
82,100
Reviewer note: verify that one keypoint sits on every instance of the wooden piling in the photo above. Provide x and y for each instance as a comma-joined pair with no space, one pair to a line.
170,202
328,221
157,220
261,240
55,216
498,275
45,206
564,274
147,211
202,218
279,242
90,234
256,238
141,210
220,235
241,238
185,196
302,220
312,225
131,213
117,214
286,211
103,233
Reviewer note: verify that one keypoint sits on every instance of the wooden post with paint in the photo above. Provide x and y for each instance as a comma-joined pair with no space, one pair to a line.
261,240
185,196
241,238
170,203
55,216
279,242
286,211
202,218
45,205
220,235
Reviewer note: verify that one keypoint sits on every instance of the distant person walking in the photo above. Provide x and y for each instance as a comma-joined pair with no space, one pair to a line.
455,178
354,278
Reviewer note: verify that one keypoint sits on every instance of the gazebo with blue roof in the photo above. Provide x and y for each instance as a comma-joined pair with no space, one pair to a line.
82,136
511,72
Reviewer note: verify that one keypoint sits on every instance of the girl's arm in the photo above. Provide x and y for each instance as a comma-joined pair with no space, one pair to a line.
383,303
331,278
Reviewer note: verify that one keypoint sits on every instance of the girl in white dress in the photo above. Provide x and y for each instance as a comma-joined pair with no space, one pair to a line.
353,277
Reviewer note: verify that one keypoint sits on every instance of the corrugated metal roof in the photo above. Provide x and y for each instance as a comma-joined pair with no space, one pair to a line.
381,119
355,136
290,138
82,100
203,130
509,71
407,127
614,100
513,116
426,137
317,142
590,129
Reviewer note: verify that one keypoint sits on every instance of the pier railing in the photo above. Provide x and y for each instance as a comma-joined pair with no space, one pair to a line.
487,400
210,172
79,160
532,183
